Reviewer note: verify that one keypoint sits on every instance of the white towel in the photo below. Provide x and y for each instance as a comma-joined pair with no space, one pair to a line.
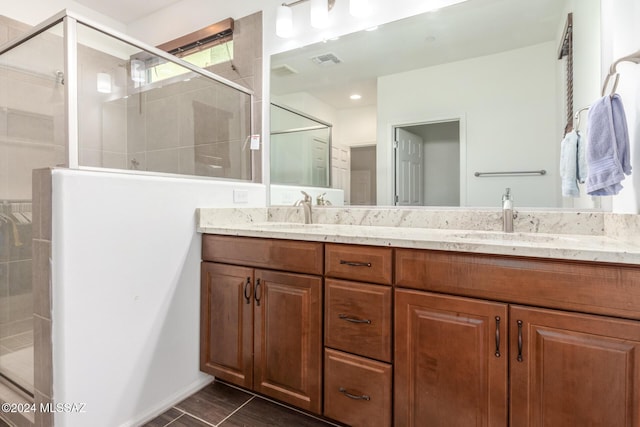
573,164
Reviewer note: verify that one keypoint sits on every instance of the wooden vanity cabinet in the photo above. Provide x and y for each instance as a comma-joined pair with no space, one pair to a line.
262,328
563,368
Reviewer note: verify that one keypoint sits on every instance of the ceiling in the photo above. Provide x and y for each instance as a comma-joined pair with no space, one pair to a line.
126,11
465,30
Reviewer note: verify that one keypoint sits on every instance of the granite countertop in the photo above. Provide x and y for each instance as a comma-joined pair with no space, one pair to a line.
587,242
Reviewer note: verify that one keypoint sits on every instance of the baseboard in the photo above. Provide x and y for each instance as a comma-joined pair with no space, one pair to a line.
164,405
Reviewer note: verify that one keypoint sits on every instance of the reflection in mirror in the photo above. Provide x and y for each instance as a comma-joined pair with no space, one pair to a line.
300,148
486,69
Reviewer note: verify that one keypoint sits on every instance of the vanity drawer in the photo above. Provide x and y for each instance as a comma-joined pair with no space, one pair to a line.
363,263
357,391
275,254
358,318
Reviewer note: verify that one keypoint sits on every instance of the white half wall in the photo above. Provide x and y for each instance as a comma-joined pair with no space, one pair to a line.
126,291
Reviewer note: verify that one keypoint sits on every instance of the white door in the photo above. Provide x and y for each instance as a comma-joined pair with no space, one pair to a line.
409,168
340,167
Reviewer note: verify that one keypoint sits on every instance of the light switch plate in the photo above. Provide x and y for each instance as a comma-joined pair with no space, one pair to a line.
240,196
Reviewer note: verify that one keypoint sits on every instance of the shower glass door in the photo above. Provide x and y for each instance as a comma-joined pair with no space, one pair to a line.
32,136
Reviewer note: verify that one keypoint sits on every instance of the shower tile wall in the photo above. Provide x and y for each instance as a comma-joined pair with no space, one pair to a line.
43,347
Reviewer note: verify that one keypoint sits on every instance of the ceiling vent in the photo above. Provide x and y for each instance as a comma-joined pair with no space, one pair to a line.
283,71
326,59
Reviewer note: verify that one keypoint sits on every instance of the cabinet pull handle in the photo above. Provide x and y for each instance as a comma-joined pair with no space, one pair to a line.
257,293
247,290
355,263
519,341
353,396
497,353
353,319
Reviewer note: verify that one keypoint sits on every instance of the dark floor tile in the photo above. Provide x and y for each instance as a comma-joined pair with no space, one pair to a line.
214,402
188,421
262,413
163,419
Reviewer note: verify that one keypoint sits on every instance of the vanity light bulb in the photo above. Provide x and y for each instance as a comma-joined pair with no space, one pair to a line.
284,22
359,8
104,83
319,13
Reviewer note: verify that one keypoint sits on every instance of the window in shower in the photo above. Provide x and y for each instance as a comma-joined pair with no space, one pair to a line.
205,58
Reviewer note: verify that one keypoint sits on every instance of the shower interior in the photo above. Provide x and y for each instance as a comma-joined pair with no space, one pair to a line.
123,115
31,137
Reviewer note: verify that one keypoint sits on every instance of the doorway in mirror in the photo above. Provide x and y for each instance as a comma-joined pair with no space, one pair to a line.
427,164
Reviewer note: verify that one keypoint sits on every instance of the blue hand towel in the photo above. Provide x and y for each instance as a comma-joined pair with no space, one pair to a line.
582,159
608,147
569,165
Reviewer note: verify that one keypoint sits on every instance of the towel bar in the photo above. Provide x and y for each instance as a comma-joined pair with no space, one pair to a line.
613,72
539,172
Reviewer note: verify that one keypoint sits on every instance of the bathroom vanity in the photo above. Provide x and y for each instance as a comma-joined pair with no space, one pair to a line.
372,329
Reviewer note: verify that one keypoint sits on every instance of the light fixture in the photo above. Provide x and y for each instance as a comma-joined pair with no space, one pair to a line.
284,21
104,83
359,8
355,97
319,13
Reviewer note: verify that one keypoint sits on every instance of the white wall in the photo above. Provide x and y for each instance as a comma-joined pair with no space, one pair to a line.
498,136
356,126
33,12
621,37
126,291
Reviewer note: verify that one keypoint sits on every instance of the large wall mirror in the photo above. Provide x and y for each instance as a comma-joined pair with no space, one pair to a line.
451,102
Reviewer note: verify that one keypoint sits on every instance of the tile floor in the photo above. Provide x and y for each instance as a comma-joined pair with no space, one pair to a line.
222,405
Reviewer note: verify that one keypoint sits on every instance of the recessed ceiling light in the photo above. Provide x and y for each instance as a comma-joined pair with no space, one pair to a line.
355,96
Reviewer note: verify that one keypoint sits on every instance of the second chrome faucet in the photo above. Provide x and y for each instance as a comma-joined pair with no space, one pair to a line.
508,213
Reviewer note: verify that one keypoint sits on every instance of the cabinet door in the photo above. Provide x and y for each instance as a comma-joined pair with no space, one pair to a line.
570,369
226,323
288,339
450,361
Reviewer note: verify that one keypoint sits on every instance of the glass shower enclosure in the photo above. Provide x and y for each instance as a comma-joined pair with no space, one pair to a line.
76,94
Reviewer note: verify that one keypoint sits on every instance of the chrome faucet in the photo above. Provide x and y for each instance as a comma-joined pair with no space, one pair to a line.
508,214
306,205
321,201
